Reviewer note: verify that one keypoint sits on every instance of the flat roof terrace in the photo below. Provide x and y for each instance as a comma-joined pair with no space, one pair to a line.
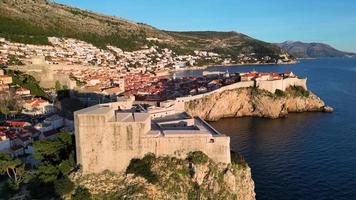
173,125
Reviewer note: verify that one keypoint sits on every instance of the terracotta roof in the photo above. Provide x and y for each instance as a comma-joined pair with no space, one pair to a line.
16,123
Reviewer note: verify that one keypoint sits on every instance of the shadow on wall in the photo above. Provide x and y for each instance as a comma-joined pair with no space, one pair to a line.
69,101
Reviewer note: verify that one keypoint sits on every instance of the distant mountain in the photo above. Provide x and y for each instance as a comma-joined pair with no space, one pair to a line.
32,21
311,50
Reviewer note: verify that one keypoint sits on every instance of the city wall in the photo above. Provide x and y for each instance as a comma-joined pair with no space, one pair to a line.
282,84
179,103
270,86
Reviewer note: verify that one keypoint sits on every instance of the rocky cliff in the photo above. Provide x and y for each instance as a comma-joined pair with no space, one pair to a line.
255,102
171,178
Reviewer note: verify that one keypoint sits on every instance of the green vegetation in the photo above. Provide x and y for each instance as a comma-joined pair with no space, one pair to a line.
15,171
63,186
203,62
142,167
27,81
13,60
176,179
9,104
279,93
297,91
78,82
57,86
23,31
238,159
128,192
99,30
57,161
81,193
197,157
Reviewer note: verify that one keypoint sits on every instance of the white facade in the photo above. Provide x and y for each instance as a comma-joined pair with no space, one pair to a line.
4,143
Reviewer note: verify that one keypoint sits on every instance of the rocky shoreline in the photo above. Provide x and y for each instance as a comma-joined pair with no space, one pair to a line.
253,102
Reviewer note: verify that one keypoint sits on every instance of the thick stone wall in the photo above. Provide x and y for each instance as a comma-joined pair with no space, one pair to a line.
217,148
270,86
282,84
179,103
105,144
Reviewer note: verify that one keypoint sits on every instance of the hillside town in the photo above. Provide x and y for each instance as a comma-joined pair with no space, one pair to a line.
147,75
153,59
25,118
109,71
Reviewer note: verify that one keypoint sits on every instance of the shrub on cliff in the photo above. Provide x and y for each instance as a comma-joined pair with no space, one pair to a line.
238,159
197,157
81,193
63,186
297,91
142,167
279,93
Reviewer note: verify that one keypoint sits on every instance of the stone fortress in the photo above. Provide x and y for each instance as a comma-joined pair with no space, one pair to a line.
108,137
268,85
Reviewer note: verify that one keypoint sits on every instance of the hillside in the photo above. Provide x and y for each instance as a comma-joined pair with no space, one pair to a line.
32,21
311,50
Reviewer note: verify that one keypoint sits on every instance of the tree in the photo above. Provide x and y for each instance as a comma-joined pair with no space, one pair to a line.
47,173
54,151
9,104
63,186
13,168
57,158
57,86
81,193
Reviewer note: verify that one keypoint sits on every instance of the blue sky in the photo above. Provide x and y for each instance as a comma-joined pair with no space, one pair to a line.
328,21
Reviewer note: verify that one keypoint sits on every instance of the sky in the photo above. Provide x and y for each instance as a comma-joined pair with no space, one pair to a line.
328,21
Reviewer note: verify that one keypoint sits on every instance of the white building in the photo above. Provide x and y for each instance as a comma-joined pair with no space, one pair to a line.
4,142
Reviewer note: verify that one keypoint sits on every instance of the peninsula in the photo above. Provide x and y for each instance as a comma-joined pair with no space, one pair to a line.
140,129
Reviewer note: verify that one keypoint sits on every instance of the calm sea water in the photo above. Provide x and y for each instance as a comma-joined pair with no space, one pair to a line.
303,156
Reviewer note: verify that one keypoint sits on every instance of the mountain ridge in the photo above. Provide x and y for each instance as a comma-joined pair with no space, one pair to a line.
312,50
32,21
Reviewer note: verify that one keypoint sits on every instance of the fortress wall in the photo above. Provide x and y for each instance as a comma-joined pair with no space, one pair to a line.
270,86
295,81
283,84
178,146
88,141
180,102
112,145
107,145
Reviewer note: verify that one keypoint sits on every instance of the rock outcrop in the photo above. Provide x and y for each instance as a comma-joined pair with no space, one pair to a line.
172,178
255,102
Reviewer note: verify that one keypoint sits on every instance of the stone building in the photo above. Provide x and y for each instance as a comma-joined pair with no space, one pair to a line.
107,138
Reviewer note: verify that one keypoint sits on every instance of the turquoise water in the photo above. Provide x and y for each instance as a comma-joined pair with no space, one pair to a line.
303,156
